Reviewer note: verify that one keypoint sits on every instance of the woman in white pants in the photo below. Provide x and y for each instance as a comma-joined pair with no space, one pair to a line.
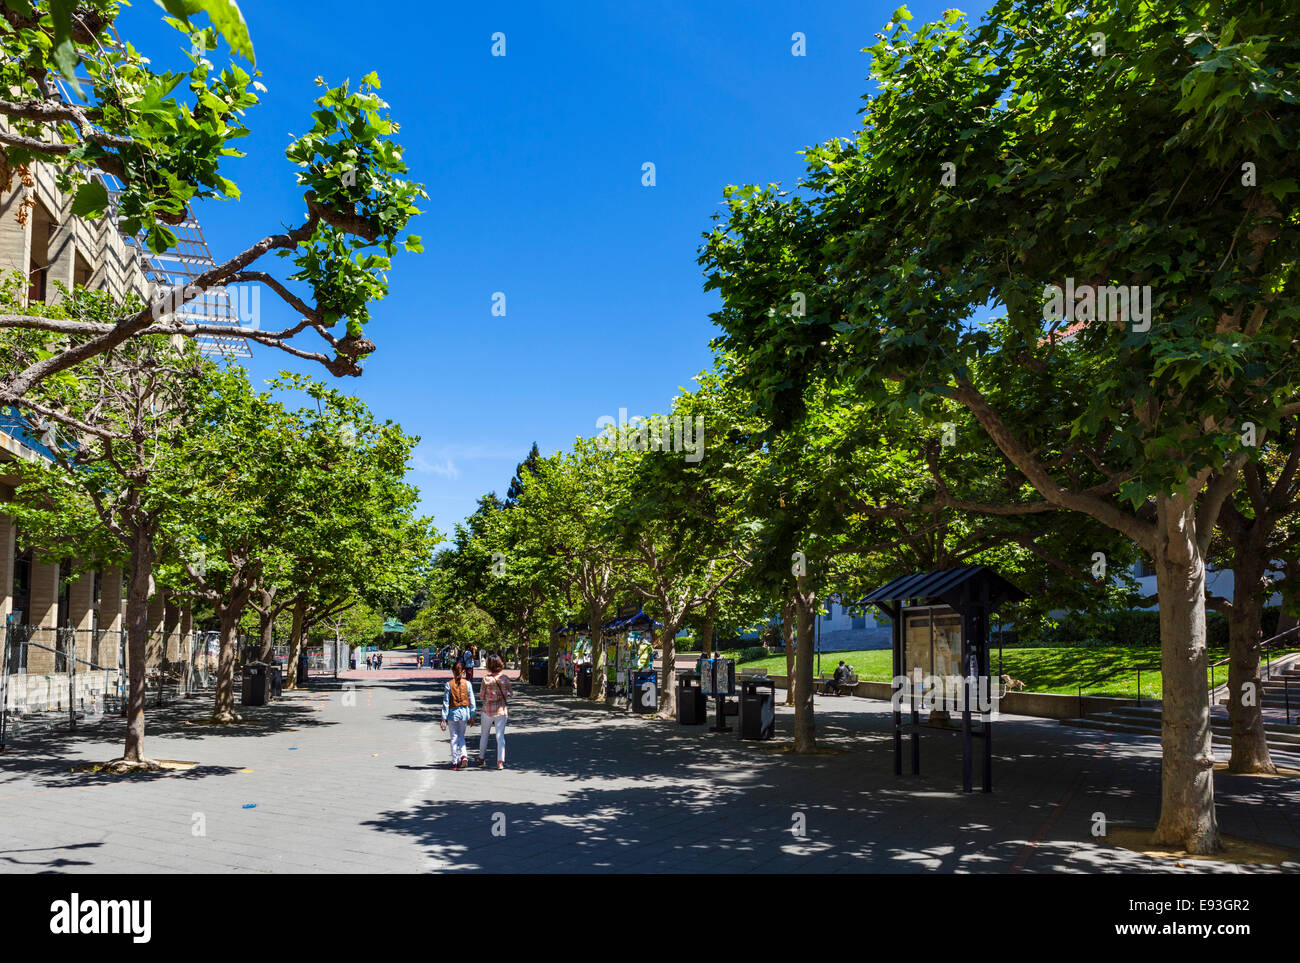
458,712
496,693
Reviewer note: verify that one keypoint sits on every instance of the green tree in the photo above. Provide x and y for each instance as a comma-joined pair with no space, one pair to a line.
1259,529
570,498
684,540
116,444
1006,165
124,118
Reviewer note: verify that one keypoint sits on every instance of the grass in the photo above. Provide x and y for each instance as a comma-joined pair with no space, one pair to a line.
1107,670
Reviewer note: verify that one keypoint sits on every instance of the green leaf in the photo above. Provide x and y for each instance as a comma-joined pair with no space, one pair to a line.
64,54
225,16
91,200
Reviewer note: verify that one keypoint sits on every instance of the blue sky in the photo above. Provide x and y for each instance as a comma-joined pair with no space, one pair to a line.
533,163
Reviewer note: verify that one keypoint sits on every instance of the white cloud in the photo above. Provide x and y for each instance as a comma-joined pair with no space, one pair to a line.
446,468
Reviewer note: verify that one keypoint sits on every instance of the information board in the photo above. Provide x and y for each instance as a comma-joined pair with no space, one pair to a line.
717,676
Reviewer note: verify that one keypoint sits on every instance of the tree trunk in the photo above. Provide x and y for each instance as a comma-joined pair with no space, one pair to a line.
787,633
805,729
668,692
295,643
266,630
553,661
1187,818
706,635
1245,686
594,614
223,710
171,622
137,633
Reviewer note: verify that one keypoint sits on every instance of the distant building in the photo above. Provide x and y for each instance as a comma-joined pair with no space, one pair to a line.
845,627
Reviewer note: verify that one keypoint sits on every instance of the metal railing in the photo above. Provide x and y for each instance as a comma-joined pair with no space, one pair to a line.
1112,673
1282,639
1292,635
45,670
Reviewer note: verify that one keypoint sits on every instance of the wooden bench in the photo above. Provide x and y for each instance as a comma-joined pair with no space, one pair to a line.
843,688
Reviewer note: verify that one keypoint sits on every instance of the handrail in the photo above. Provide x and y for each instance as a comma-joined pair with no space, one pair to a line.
1107,675
1263,647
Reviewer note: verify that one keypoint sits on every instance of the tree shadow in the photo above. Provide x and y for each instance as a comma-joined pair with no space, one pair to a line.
50,754
603,794
11,857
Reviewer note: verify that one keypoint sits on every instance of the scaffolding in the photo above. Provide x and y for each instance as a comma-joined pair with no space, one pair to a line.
181,266
173,270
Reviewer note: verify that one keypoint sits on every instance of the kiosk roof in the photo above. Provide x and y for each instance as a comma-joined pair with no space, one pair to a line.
955,586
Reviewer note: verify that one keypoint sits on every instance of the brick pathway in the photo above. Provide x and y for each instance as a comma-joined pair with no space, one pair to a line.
341,779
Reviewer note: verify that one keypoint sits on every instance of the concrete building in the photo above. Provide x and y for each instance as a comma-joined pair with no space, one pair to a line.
845,627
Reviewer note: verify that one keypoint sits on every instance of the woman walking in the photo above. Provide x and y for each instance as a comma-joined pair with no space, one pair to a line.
496,693
458,712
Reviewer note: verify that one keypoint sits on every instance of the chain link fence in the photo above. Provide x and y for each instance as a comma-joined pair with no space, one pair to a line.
66,676
51,677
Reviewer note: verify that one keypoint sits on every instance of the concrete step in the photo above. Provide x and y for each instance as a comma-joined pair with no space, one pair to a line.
1136,727
1270,702
1218,721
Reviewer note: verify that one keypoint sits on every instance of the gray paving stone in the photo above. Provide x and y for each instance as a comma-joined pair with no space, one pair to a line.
366,790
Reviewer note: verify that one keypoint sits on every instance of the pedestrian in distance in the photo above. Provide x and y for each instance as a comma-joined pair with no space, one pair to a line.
496,693
458,710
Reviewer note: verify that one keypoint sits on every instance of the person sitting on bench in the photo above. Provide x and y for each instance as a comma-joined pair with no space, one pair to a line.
832,686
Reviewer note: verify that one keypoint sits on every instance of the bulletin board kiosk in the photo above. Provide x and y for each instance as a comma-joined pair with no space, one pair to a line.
940,623
718,680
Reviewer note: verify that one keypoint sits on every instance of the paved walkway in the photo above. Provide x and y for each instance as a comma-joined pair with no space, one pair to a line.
352,776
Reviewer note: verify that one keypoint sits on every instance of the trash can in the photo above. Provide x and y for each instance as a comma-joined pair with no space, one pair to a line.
645,691
277,681
584,681
537,669
691,707
256,684
758,709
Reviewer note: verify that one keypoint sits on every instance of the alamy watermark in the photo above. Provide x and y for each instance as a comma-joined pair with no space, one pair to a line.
954,693
75,916
1110,303
239,303
657,433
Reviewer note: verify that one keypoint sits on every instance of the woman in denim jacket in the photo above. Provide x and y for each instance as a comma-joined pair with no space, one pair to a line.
458,711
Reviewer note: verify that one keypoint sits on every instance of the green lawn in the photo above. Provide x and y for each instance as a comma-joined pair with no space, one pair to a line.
1110,671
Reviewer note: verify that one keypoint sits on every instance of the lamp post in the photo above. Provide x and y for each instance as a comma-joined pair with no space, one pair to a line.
819,638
